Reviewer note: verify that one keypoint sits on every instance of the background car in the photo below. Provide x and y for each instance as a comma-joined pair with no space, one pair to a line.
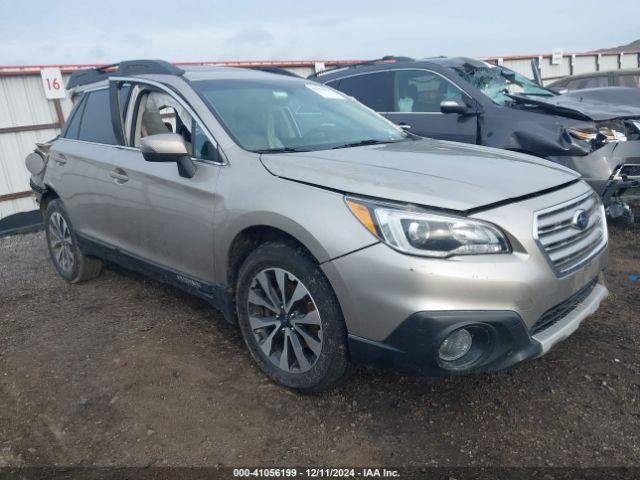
471,101
613,78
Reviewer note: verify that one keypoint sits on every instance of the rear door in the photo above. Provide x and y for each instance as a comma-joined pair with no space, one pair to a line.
80,163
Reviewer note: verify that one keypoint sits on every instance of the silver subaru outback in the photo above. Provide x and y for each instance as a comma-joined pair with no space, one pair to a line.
327,233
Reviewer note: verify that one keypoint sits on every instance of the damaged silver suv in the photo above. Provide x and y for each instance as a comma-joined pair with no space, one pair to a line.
326,232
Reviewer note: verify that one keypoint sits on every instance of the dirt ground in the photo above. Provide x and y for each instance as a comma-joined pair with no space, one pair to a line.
125,371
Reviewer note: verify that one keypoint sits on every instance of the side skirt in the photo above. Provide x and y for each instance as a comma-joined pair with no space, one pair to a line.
215,294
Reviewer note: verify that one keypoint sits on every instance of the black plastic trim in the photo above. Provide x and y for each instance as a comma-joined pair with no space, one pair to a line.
217,295
412,347
125,68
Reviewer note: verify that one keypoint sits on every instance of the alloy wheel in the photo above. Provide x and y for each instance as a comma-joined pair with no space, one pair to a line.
284,320
61,242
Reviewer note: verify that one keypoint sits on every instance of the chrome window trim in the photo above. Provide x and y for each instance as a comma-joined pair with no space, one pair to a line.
180,100
399,70
594,252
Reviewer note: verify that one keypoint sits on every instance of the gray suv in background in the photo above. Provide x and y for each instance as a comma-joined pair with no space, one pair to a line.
326,232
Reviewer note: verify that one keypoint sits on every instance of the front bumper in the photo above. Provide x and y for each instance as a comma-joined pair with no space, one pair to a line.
413,346
559,331
398,308
600,166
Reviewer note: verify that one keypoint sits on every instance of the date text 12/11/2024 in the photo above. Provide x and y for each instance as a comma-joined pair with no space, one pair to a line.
315,473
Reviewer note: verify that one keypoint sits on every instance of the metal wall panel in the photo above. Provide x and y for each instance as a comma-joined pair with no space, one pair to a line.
609,62
550,71
631,60
22,104
521,66
16,206
586,64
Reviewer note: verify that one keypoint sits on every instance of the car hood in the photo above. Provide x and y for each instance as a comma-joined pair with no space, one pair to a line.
426,172
595,104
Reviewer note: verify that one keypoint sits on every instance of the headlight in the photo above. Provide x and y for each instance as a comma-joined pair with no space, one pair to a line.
612,135
582,134
428,234
605,133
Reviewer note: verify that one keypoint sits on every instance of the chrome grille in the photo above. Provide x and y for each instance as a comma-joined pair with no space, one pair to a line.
565,244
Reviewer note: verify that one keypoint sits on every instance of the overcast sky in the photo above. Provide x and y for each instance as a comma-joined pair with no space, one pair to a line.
88,31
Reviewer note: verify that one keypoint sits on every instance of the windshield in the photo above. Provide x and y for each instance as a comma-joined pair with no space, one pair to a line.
498,83
281,115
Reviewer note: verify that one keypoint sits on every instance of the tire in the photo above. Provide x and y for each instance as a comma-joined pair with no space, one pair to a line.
70,263
307,329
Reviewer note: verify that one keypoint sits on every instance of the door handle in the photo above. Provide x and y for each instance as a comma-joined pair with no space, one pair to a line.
119,175
404,126
59,158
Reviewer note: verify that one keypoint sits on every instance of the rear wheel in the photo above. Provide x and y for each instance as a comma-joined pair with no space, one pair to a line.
68,260
290,318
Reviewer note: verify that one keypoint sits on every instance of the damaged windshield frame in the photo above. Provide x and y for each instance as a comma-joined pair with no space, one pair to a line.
495,82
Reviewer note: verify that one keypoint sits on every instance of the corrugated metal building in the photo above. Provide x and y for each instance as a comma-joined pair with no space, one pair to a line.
27,117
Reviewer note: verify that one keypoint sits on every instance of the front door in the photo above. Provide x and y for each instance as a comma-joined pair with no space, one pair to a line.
411,98
164,218
417,95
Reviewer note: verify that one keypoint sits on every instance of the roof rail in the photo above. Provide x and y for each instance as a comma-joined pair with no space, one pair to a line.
385,59
125,68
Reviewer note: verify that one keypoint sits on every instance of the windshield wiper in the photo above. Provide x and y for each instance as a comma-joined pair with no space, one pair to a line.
363,143
281,150
537,94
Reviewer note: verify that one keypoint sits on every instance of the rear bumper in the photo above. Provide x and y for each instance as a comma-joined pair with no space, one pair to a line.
413,346
38,191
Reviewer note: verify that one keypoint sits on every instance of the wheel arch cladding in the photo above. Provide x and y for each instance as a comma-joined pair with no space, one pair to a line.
247,240
48,195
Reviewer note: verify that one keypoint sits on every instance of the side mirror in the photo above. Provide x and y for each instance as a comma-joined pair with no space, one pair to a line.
453,106
168,147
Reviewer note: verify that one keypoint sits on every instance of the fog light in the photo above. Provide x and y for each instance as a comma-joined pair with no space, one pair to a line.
455,346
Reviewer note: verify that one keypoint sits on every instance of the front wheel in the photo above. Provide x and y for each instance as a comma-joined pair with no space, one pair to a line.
290,318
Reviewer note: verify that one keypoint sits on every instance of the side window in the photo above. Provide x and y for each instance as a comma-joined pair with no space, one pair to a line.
72,126
420,91
159,112
596,82
560,85
575,84
375,90
629,80
95,124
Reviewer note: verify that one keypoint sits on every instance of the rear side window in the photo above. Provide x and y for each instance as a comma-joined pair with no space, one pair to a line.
375,90
95,125
597,82
72,126
629,80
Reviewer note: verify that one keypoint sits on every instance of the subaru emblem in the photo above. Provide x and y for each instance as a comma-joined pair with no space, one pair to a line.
580,219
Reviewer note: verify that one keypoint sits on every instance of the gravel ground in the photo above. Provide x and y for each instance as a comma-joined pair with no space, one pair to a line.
125,371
